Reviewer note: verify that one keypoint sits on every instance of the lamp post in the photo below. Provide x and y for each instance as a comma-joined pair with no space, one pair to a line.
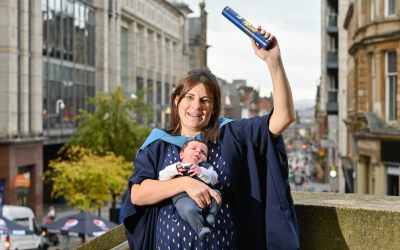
60,105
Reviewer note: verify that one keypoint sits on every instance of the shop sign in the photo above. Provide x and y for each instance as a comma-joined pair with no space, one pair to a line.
22,180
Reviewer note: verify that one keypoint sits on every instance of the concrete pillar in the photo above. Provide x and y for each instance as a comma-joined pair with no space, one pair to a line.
362,178
380,179
132,54
36,68
379,105
102,46
8,69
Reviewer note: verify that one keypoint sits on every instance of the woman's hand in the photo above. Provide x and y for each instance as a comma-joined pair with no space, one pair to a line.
265,55
200,192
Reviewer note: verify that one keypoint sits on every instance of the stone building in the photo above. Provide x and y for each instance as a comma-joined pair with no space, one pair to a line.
331,105
55,53
198,39
373,96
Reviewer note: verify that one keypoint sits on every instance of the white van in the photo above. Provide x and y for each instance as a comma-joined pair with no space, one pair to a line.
25,217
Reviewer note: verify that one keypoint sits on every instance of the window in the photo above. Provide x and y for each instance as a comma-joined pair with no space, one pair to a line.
373,80
390,8
391,90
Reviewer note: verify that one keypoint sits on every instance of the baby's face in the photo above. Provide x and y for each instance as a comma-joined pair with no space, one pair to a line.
194,153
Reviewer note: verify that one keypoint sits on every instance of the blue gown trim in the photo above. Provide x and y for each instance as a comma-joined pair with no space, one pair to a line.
176,140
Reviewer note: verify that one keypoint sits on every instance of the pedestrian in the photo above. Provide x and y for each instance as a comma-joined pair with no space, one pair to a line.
51,215
257,210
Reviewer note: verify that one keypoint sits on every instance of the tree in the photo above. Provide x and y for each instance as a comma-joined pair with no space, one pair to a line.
88,180
113,127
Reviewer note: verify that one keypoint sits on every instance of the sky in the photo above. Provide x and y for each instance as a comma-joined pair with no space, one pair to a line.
296,24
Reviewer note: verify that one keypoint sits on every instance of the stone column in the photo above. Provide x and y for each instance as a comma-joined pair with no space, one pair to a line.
8,69
132,54
102,46
362,175
146,55
24,69
380,176
379,105
36,68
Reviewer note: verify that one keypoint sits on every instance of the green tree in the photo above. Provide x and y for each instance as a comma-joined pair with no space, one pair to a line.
88,180
112,127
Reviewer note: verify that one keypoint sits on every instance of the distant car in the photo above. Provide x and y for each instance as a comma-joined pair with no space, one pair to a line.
24,216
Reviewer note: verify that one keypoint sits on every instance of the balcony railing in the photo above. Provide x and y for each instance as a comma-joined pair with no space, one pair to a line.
332,56
332,20
332,59
332,23
332,96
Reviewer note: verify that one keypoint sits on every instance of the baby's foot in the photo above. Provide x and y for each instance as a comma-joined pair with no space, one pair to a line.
210,219
204,232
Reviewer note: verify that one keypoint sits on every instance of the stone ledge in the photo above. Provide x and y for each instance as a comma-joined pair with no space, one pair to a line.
109,240
326,221
347,221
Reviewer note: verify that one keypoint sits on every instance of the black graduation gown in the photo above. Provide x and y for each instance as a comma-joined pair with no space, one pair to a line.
265,216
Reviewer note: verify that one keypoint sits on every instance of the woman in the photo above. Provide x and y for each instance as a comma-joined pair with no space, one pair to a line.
257,210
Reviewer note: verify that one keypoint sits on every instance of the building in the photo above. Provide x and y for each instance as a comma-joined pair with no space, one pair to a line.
373,100
332,97
57,53
198,39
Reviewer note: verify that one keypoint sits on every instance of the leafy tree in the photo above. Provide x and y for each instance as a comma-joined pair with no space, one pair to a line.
113,127
88,180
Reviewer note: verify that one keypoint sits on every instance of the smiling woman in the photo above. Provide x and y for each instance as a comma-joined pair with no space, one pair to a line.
197,105
248,155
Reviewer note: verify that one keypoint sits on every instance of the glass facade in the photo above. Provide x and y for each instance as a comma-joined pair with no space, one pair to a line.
68,62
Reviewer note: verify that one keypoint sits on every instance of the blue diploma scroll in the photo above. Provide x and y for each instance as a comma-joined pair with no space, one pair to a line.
246,27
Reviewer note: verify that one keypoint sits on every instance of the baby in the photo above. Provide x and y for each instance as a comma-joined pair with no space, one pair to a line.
193,164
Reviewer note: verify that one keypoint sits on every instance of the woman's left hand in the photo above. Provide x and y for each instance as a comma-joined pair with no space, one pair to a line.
273,53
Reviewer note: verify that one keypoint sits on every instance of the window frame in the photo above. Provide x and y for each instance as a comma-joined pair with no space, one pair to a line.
387,8
373,80
387,85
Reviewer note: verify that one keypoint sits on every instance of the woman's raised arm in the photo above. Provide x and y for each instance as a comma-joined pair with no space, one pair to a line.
284,112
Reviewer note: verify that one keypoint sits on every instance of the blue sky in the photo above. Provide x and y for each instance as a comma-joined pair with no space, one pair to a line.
296,24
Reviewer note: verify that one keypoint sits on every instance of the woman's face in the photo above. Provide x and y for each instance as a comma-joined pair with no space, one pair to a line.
195,110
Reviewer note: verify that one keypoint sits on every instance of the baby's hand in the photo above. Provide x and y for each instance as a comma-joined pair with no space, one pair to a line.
196,170
180,168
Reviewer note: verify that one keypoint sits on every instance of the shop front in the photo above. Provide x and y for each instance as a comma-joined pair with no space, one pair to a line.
21,167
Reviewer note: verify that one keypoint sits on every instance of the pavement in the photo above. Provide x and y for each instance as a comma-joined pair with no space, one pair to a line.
63,211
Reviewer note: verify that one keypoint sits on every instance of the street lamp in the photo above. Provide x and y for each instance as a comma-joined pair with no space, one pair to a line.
59,105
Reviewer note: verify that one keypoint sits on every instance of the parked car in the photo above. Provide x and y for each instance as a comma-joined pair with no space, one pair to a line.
25,217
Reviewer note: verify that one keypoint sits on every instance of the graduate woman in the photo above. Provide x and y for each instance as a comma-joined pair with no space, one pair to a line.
257,210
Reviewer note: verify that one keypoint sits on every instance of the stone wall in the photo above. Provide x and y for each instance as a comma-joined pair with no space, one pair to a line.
326,221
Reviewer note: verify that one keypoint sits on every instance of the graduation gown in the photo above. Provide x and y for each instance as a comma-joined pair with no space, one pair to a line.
264,211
